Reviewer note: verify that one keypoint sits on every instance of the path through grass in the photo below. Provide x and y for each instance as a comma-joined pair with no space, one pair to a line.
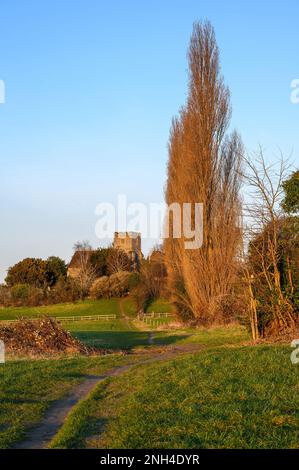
28,387
244,397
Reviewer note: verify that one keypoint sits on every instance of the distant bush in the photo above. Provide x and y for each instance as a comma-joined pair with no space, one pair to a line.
20,293
141,297
56,269
134,281
32,271
99,260
119,283
116,285
5,296
100,288
151,281
107,261
65,290
24,294
37,272
36,297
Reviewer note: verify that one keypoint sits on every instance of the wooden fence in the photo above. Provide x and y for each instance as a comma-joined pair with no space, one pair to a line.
154,319
71,319
155,315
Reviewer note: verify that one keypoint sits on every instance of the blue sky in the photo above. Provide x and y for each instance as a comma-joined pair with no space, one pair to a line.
91,87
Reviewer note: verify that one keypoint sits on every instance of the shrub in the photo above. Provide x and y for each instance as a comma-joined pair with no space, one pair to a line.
150,282
65,290
116,285
20,293
30,271
134,281
99,260
37,272
119,283
100,288
5,296
26,295
141,297
36,297
56,269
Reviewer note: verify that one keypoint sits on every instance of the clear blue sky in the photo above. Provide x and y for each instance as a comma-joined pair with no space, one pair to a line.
91,87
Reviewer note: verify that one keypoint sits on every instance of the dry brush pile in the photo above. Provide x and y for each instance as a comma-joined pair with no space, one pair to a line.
41,337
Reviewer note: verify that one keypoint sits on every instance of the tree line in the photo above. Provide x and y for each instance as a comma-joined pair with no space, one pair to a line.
98,273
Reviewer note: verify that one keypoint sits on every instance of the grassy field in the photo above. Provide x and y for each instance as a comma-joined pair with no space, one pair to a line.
88,307
210,337
228,394
115,334
129,307
159,306
28,387
111,335
245,397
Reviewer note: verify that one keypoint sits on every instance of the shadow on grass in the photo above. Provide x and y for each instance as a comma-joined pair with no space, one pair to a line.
167,340
124,339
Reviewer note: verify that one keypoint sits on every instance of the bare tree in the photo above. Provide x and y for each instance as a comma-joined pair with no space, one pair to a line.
204,166
86,272
264,222
118,260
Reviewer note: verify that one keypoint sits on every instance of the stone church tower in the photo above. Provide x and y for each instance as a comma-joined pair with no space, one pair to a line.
130,243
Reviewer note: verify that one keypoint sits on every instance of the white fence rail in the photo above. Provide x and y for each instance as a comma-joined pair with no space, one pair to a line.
71,318
156,315
155,319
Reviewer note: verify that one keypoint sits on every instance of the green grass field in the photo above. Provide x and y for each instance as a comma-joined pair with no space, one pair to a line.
129,307
111,335
28,387
86,308
159,306
228,394
244,397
